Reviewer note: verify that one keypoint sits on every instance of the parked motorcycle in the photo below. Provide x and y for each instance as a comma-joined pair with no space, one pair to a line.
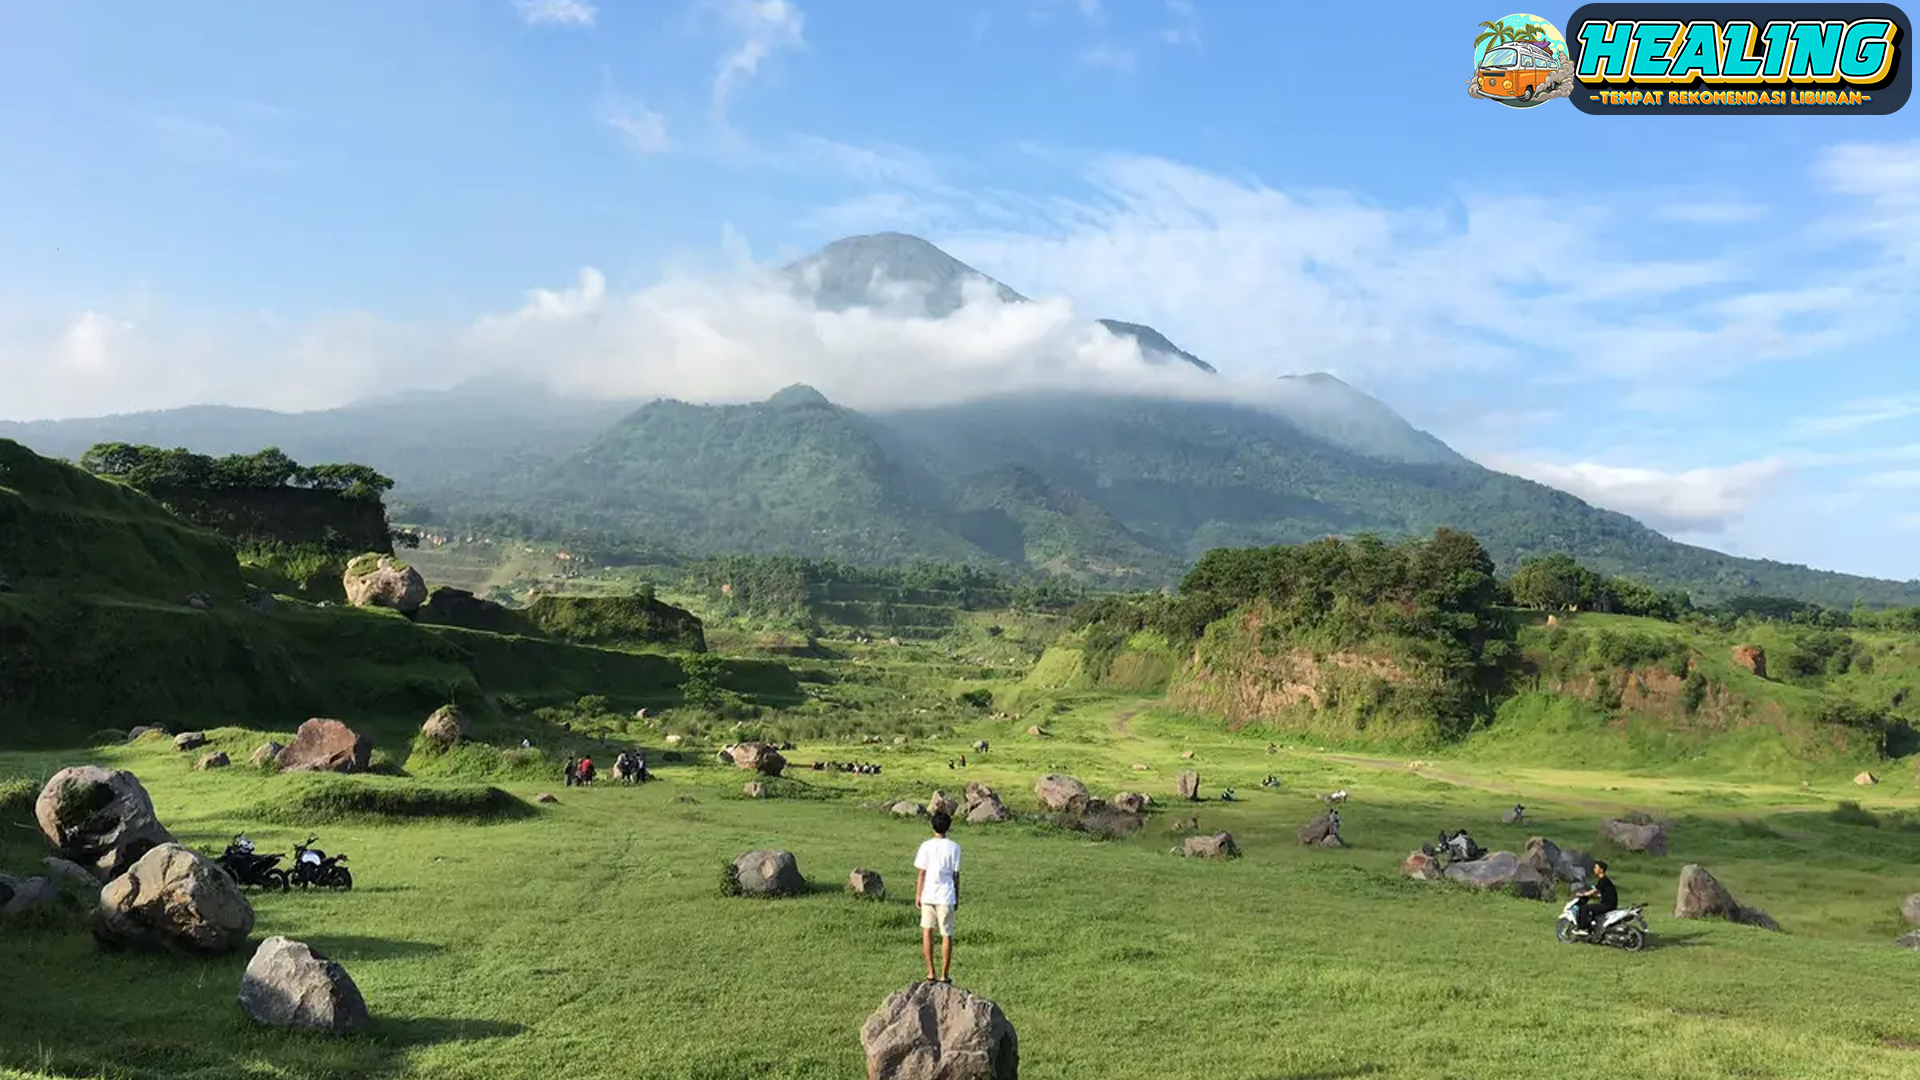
1455,847
1622,928
249,867
313,867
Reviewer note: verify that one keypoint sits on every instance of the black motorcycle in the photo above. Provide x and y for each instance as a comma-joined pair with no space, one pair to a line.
1455,847
315,868
248,867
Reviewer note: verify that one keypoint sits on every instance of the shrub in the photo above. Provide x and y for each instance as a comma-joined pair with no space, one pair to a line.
730,880
343,800
1694,694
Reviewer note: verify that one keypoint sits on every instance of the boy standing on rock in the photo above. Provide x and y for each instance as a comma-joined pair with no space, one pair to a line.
936,892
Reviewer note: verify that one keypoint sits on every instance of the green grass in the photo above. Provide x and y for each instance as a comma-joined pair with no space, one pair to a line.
588,939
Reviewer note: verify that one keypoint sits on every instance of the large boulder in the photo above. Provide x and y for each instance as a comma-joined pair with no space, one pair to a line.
1646,838
323,745
19,895
1062,794
1188,785
1701,896
1217,846
173,900
987,811
100,818
1500,870
937,1031
374,580
759,757
447,725
190,740
769,873
289,985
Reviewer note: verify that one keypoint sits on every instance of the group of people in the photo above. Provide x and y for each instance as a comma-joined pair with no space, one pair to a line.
962,765
629,766
861,768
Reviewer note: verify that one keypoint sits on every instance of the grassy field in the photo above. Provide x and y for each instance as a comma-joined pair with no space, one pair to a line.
589,939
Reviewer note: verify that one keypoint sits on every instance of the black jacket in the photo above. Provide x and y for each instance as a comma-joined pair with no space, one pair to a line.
1609,897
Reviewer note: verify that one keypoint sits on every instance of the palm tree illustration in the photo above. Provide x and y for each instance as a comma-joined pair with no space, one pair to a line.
1499,33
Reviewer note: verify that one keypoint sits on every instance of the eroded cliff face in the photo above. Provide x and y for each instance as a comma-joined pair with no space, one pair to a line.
294,516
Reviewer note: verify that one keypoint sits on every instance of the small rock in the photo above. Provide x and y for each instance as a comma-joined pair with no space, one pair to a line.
937,1031
770,873
899,740
1910,909
1139,766
1318,829
1866,779
1217,846
266,753
216,760
1186,755
173,899
1037,732
1909,940
289,985
547,797
1188,784
906,808
754,789
1130,802
190,740
866,883
672,740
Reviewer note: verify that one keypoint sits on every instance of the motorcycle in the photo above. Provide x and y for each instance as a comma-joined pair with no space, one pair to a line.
1622,928
313,867
1455,847
248,867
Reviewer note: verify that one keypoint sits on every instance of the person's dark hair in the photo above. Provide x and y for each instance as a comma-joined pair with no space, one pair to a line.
942,821
1598,865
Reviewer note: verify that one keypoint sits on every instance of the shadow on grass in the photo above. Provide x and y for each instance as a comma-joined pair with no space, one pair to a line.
435,1030
1326,1074
350,947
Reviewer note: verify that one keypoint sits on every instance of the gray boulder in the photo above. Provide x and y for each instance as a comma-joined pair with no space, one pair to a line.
1701,896
987,811
289,985
173,900
1909,940
1910,909
100,818
906,808
1500,870
446,726
1188,785
216,760
941,802
1062,794
374,580
1547,859
19,895
1130,802
1217,846
866,883
769,873
266,752
937,1031
73,877
1323,827
190,740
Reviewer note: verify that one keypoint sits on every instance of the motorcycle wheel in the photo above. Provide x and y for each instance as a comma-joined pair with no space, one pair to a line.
341,879
1564,931
275,879
1632,939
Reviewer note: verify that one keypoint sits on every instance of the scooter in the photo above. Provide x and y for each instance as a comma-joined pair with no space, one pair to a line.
311,866
1622,928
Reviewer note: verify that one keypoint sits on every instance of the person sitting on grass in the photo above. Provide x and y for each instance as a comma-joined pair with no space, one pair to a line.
936,892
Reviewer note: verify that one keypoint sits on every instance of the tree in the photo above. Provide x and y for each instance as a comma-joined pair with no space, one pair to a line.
1554,583
352,481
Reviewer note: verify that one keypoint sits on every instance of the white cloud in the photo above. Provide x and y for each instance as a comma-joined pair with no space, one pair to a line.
1703,500
1859,414
1711,213
1113,57
764,27
645,129
1183,30
1894,479
556,12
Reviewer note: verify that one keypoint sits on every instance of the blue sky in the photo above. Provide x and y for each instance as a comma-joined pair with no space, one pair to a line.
1709,322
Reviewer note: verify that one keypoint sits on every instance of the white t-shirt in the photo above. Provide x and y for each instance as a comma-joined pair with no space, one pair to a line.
940,858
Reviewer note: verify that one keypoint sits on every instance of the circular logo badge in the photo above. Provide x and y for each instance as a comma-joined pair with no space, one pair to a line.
1520,61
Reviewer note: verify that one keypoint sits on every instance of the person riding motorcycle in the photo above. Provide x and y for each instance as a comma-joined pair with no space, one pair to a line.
1596,901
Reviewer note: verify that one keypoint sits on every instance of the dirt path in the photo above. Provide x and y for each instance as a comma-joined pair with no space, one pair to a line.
1122,722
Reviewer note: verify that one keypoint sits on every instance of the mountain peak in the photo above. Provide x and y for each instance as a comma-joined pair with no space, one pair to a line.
1323,406
798,396
883,269
1154,346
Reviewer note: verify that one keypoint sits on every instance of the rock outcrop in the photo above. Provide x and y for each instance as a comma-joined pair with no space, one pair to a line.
1062,794
937,1031
1751,657
173,900
375,580
769,873
323,745
99,818
289,985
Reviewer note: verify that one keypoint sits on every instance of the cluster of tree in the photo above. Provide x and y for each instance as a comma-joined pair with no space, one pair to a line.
1558,583
151,468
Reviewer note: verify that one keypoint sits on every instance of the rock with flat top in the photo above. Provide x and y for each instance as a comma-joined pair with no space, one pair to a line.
937,1031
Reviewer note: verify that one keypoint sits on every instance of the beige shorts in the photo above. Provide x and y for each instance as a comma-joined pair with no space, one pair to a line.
937,917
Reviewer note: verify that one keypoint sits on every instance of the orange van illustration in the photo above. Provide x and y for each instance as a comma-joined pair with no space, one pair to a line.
1516,70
